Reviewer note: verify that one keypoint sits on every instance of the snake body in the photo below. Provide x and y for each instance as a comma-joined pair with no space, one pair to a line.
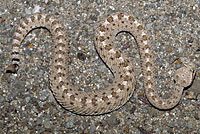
116,95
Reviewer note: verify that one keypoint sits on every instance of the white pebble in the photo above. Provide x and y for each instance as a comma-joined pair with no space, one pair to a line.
36,9
28,11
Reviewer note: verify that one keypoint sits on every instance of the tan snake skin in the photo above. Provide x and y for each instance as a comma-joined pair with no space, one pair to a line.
113,97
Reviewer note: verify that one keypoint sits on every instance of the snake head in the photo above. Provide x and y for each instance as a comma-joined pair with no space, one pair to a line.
191,66
185,75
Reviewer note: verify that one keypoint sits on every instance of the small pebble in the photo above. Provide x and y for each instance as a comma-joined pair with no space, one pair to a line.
36,9
81,56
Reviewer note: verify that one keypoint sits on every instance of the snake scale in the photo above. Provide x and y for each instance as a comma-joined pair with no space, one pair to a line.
116,95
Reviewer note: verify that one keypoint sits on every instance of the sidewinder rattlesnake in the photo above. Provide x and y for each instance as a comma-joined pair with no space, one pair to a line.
116,95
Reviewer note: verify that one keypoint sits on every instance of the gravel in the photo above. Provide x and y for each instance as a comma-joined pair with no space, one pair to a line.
26,101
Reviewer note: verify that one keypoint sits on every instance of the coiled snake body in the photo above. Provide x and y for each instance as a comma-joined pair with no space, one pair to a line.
116,95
